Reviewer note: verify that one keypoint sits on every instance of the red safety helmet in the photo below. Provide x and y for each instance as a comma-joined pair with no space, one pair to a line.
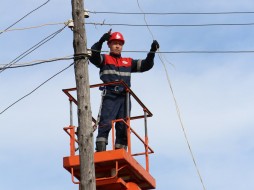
116,36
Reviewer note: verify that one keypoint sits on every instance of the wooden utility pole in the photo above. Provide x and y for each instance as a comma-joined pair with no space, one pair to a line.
85,137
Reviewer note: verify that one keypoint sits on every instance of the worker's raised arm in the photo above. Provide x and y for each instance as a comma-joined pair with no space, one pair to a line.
96,57
146,64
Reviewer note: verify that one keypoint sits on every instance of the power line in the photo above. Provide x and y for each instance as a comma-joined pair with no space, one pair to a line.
154,25
200,52
159,25
173,13
24,17
148,28
30,50
177,107
169,25
35,89
33,27
38,62
182,125
192,52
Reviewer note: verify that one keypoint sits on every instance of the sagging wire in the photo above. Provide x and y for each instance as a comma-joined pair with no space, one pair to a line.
38,62
65,58
30,50
173,13
181,122
24,17
188,52
145,19
177,109
35,89
170,25
33,27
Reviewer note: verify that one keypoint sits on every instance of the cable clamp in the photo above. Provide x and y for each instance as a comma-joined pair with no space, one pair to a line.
79,56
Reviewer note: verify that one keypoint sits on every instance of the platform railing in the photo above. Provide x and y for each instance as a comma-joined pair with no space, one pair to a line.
71,130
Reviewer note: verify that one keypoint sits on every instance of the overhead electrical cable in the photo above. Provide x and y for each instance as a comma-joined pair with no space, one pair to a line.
195,52
169,25
35,89
30,50
38,62
173,13
182,125
178,111
24,17
187,51
146,23
33,27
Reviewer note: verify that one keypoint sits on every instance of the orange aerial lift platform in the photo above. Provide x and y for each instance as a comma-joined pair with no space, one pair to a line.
115,169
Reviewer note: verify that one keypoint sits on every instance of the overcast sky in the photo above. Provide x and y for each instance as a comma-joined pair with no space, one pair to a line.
213,91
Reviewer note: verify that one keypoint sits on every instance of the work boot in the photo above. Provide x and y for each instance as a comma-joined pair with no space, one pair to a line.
100,146
119,146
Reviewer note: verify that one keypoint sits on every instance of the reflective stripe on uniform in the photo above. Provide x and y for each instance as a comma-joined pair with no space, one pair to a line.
114,72
139,65
102,139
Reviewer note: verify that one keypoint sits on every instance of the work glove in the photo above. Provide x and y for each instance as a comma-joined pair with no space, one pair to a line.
105,37
155,46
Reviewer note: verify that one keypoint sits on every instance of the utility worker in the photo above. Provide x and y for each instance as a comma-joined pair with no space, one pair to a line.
114,67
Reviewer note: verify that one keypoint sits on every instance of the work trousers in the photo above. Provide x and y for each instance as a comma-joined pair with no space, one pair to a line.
113,107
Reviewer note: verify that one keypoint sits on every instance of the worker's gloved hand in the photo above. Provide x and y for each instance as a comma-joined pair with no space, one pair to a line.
105,37
155,46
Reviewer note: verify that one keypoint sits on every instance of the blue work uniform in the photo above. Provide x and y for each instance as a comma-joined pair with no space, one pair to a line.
116,68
